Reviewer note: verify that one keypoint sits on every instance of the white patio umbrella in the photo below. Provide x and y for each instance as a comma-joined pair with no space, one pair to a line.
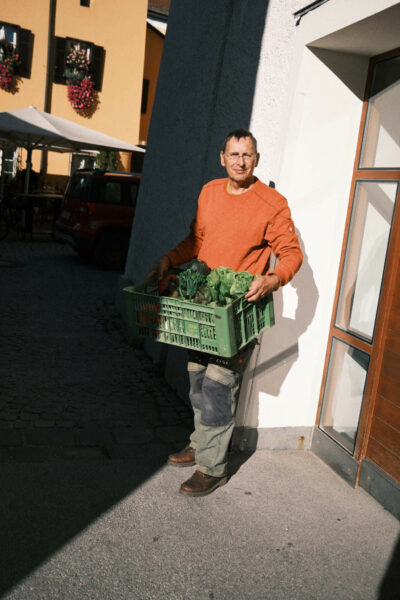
34,129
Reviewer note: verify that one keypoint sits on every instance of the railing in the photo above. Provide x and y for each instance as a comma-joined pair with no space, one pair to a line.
30,214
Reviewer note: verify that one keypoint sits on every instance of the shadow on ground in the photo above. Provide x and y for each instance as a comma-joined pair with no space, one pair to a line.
86,418
45,505
390,585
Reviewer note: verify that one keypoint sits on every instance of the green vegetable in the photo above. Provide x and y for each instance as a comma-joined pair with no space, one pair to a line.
226,278
192,278
213,279
226,285
189,283
203,295
199,266
219,287
241,283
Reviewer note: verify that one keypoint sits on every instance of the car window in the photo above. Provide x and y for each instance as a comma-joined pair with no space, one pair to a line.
106,192
131,192
78,187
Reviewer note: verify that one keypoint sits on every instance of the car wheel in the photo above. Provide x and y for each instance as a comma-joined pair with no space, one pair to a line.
111,250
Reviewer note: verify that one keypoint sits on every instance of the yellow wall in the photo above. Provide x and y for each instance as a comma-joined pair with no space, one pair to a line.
33,16
120,28
154,48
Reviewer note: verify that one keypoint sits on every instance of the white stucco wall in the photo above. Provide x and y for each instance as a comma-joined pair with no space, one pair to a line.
309,151
315,176
299,89
273,83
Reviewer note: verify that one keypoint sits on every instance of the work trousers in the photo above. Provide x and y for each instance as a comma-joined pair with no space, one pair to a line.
214,392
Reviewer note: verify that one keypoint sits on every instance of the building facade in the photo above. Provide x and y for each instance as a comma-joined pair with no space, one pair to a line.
318,85
155,33
115,47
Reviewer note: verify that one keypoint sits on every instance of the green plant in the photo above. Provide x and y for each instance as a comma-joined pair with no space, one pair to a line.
9,61
220,287
80,87
107,160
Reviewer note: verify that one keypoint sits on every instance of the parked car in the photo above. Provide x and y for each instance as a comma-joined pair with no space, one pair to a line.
97,214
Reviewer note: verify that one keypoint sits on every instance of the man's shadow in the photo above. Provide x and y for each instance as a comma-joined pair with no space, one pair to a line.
275,355
389,588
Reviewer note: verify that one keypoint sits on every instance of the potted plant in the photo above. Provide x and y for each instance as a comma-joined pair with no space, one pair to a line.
80,86
9,61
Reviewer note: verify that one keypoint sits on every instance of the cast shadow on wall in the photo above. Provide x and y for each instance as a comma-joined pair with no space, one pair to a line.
281,343
205,89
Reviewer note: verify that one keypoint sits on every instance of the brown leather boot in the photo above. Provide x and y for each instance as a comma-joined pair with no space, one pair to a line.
183,458
201,484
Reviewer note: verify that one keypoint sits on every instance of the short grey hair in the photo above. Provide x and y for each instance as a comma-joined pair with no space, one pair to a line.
238,134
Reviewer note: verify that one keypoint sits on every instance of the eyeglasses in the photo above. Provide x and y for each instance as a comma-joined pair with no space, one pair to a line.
235,157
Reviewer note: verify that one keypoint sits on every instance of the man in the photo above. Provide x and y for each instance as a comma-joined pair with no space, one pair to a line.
239,220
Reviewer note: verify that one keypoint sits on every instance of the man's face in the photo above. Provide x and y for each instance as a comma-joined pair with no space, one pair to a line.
240,160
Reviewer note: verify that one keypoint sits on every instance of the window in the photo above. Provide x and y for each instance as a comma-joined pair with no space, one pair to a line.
80,45
106,192
95,53
381,140
8,33
368,248
131,192
85,3
367,244
9,158
344,390
22,42
82,161
78,187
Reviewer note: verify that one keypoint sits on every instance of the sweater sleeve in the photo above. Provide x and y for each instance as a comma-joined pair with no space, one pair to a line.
282,239
189,248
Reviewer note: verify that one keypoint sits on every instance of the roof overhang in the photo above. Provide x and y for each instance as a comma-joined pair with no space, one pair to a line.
371,36
159,26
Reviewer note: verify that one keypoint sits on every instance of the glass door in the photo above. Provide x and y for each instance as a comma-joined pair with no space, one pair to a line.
373,204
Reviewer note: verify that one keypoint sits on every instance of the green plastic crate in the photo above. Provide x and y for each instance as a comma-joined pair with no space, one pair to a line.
217,330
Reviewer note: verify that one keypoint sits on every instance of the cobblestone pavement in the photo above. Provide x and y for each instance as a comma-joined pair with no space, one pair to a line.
72,383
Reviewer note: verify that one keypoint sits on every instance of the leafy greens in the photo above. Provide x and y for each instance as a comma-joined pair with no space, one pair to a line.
220,287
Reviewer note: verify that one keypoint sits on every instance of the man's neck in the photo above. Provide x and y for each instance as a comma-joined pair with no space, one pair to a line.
236,188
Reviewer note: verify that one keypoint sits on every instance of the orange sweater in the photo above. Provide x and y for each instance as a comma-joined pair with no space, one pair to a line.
240,230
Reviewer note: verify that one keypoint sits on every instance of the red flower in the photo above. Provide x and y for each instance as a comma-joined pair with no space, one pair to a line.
81,96
8,63
80,90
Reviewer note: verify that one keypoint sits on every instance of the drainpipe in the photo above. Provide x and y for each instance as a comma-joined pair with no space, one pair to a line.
49,72
300,13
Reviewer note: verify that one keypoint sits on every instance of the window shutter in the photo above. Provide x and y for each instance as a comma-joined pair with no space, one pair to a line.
24,49
97,66
59,60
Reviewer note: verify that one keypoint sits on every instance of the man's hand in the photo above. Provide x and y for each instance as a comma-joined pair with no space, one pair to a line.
162,265
261,286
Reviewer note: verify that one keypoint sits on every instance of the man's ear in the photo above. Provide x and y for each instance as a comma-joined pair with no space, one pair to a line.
257,159
222,157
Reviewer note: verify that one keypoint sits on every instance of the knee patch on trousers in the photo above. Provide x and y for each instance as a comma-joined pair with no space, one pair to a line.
217,389
196,376
216,403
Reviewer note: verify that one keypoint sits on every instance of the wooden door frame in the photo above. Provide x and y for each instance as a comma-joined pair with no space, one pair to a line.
375,348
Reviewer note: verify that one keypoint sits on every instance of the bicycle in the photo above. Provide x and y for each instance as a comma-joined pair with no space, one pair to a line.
12,217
